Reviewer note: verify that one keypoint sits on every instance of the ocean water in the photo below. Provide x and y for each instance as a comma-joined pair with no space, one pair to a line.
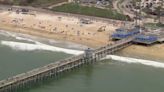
121,74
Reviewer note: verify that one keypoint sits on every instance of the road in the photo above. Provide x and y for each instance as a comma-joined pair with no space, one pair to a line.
115,5
55,5
120,7
127,11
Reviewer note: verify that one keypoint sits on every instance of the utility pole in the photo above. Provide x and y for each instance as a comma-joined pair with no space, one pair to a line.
140,13
159,9
136,13
136,23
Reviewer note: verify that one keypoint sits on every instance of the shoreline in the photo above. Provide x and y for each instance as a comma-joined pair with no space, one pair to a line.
34,32
131,51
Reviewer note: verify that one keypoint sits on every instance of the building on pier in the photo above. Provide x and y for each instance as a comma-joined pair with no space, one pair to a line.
145,39
124,33
144,36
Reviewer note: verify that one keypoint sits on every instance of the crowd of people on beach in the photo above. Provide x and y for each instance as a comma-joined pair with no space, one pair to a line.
59,24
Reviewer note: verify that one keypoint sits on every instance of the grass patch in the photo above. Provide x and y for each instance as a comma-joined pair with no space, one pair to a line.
154,25
91,11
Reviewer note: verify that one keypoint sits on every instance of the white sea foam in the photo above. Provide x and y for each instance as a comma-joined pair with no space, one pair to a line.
17,36
137,61
25,39
5,33
35,45
33,39
38,46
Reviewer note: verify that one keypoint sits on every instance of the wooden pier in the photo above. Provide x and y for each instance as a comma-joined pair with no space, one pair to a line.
13,84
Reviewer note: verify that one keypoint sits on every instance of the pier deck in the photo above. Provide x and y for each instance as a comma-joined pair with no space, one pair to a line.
14,83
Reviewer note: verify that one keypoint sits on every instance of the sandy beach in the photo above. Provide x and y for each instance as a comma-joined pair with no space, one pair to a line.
58,27
155,52
66,28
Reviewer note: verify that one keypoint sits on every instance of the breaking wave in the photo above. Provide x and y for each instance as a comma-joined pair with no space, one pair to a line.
38,46
35,45
17,36
137,61
25,39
